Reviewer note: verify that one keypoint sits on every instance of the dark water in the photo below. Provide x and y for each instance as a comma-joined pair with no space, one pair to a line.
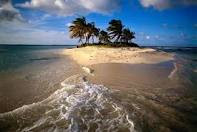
42,90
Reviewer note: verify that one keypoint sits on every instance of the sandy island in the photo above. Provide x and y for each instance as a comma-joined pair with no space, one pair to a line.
96,55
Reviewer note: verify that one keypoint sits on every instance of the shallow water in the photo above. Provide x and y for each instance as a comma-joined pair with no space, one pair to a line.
112,97
155,100
31,74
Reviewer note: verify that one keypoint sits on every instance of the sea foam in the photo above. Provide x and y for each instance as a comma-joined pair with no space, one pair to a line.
88,70
173,72
80,106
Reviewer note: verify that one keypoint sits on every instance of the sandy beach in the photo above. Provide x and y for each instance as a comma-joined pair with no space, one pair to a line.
93,88
97,55
143,76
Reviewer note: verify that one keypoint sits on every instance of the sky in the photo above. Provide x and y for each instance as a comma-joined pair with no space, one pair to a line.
155,22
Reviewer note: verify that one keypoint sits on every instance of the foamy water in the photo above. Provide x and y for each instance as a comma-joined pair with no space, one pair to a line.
74,107
173,72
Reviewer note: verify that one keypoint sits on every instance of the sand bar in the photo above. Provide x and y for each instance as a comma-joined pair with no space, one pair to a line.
97,55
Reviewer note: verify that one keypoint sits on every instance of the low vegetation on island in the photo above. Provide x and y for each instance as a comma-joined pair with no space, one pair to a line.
116,35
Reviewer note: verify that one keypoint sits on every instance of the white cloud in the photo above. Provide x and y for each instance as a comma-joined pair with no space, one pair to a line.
147,37
8,12
158,4
164,4
15,32
72,7
68,24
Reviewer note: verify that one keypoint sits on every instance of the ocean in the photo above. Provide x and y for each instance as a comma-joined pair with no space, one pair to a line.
15,56
43,90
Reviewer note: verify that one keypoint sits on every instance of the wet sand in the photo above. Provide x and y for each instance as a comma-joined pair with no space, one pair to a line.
149,85
146,97
160,103
34,82
123,76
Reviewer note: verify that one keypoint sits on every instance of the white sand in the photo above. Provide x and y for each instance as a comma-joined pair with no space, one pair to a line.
96,55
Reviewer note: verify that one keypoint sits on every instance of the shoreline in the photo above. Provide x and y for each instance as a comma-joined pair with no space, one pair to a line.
33,82
133,85
87,56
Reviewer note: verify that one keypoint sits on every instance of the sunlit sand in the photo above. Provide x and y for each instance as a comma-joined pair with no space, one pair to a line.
96,55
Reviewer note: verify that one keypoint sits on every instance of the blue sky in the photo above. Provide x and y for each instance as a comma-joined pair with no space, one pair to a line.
155,22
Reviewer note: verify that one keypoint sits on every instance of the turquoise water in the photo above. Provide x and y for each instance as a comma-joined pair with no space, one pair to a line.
12,57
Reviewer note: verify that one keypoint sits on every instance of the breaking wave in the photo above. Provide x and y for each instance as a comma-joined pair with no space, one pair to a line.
77,106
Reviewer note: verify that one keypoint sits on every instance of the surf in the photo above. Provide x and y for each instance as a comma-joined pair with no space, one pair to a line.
77,106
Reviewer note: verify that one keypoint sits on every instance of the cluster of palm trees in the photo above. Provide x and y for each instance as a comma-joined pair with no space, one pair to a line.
115,34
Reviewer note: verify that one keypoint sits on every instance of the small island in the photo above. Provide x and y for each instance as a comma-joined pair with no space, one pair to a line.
113,45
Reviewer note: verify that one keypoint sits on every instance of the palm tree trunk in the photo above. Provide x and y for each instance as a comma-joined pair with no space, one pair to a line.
80,40
92,39
86,39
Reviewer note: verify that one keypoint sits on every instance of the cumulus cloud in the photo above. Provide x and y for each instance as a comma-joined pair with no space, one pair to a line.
68,24
72,7
51,37
24,33
158,4
8,12
14,29
164,4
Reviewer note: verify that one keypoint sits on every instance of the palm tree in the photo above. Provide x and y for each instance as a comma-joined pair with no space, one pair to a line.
78,28
115,29
104,37
95,33
127,35
91,32
88,32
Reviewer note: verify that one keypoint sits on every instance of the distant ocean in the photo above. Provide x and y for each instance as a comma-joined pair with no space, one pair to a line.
36,93
12,57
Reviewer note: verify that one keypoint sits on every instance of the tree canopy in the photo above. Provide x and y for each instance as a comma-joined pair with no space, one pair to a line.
116,34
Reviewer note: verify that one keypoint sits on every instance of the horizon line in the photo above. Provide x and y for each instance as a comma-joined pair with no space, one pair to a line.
37,45
77,45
